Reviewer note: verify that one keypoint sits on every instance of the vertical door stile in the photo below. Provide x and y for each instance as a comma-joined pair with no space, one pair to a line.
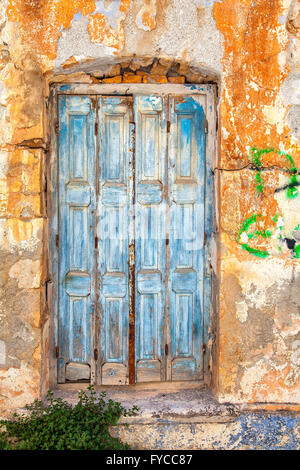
167,329
166,339
76,211
187,192
150,236
131,260
95,304
113,238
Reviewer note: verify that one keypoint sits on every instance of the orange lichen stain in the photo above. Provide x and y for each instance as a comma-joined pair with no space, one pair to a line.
179,79
155,79
21,230
273,383
23,205
253,39
24,171
117,79
46,19
131,78
70,62
101,32
146,17
240,201
148,20
124,6
272,407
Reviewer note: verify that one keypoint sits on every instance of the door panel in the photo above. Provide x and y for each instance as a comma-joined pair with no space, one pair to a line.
186,199
112,231
131,238
150,236
76,235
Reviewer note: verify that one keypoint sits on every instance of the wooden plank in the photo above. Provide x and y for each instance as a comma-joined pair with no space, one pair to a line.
186,198
113,238
131,261
76,170
150,236
132,89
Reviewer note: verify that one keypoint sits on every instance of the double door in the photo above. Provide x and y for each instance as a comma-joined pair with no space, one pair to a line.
131,212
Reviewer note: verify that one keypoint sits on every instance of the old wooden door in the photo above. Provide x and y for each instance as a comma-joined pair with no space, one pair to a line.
131,238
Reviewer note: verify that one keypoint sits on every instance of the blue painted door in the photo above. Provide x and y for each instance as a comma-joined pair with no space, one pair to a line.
186,270
131,238
114,208
76,216
150,237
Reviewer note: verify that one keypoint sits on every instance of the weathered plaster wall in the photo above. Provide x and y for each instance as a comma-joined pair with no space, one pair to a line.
251,50
259,324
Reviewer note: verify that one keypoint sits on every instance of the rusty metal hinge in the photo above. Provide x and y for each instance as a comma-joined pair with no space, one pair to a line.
132,136
168,126
96,128
57,128
204,348
96,243
57,240
96,354
166,349
206,126
57,351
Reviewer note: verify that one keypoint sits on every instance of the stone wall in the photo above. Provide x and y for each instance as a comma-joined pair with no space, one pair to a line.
251,51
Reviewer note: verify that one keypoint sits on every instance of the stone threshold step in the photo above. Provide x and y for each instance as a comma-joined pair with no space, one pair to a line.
180,403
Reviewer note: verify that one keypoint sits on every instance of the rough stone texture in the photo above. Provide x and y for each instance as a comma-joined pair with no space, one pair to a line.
178,417
251,51
247,432
173,402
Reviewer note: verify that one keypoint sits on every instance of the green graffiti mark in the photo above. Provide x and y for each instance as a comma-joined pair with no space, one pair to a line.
244,234
251,220
297,251
256,159
254,251
263,233
292,191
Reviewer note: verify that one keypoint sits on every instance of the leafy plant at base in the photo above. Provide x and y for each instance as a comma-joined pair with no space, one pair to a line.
57,425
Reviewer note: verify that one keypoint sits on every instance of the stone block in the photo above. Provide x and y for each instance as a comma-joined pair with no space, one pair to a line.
117,79
27,273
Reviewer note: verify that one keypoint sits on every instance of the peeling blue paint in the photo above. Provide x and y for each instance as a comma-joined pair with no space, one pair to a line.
77,16
266,431
206,3
251,431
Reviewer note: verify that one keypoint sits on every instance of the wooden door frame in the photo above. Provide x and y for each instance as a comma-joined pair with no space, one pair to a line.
211,204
